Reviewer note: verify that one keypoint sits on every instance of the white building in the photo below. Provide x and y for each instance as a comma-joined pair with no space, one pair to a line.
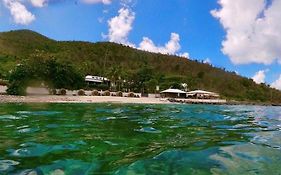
200,94
96,80
173,93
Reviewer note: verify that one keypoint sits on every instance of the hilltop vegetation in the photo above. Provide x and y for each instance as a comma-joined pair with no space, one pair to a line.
119,62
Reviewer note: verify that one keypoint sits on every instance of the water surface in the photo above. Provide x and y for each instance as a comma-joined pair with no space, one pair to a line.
78,139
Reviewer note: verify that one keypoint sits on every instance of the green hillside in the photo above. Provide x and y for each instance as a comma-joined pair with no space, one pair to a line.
103,57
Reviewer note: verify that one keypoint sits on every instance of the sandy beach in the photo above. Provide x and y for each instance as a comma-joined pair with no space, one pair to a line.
80,99
102,99
43,97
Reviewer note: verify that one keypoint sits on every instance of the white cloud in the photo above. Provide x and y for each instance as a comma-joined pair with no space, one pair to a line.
21,15
97,1
171,47
127,3
253,30
184,55
259,77
207,61
19,12
38,3
120,26
277,84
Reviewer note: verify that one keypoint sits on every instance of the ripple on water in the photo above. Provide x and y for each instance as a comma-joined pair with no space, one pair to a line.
117,111
52,125
9,117
247,159
24,112
26,129
63,167
146,122
35,149
173,162
270,139
148,130
110,143
188,139
44,113
7,165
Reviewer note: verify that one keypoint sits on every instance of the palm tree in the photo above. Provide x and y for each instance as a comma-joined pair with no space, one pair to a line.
115,76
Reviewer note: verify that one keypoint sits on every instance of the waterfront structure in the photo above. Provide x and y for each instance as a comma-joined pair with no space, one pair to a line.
200,94
173,93
96,80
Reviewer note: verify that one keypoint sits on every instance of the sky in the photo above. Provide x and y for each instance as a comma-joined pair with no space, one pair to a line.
238,35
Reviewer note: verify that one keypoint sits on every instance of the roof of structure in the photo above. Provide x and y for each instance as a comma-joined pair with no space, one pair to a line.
201,92
175,91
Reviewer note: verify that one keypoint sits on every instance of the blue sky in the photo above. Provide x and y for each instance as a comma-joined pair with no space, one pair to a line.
193,28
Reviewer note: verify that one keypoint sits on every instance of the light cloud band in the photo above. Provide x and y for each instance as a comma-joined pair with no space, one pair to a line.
253,30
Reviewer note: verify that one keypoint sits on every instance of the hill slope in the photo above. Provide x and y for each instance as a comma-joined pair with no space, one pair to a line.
98,58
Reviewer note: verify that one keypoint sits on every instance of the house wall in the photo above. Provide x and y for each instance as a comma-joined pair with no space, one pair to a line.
203,96
172,95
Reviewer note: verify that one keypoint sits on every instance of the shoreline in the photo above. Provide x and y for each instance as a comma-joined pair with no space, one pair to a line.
80,99
119,100
222,102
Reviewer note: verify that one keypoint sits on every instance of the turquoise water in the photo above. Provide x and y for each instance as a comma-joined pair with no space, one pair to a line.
78,139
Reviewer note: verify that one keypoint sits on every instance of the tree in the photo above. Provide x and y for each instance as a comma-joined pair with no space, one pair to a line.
200,75
116,76
176,85
151,85
142,76
49,71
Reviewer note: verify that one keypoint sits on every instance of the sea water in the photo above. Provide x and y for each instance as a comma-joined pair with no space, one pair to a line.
85,139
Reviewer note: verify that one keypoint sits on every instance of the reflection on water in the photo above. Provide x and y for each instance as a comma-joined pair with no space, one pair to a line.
79,139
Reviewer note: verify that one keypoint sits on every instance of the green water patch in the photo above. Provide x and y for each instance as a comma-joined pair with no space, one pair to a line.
139,139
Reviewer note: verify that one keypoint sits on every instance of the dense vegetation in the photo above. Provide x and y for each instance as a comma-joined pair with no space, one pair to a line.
141,70
41,72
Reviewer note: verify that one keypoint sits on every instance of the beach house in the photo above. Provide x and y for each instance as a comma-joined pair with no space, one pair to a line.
173,93
97,80
200,94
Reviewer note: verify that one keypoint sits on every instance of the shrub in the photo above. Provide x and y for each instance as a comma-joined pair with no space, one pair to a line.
106,93
119,94
102,87
16,89
62,92
131,94
3,83
95,93
81,92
